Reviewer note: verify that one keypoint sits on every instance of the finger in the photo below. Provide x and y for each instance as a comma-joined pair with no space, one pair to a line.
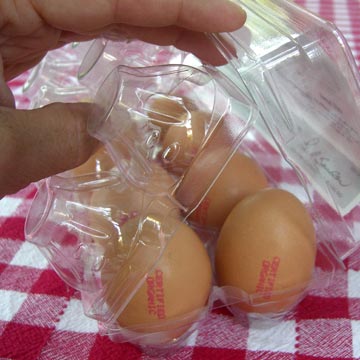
197,43
35,144
6,97
83,16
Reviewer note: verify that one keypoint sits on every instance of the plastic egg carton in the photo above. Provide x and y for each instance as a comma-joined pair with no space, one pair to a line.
135,228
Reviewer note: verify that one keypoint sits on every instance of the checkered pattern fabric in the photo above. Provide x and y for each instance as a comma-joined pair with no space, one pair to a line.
42,318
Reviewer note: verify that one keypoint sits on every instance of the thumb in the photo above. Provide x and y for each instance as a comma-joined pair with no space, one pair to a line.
35,144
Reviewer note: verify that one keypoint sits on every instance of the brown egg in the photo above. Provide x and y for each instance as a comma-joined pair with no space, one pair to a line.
241,176
182,141
267,249
174,292
99,161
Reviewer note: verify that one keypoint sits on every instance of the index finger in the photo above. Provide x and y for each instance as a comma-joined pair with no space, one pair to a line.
84,16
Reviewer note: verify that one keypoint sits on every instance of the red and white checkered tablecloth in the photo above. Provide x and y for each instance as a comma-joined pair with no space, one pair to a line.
42,318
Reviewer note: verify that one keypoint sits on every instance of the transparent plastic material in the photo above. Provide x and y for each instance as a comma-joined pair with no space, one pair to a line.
104,55
49,73
81,238
135,129
286,98
301,74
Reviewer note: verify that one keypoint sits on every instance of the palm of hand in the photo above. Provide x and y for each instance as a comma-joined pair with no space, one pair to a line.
25,37
29,28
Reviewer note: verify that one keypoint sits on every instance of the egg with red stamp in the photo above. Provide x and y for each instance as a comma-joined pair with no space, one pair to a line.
173,295
266,249
240,177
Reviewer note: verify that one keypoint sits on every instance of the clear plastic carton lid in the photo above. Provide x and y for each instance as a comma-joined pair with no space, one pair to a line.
300,72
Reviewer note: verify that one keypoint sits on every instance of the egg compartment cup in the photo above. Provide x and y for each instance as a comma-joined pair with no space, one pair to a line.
265,306
242,305
158,339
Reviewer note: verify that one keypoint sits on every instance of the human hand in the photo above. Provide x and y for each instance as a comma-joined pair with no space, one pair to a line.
38,143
